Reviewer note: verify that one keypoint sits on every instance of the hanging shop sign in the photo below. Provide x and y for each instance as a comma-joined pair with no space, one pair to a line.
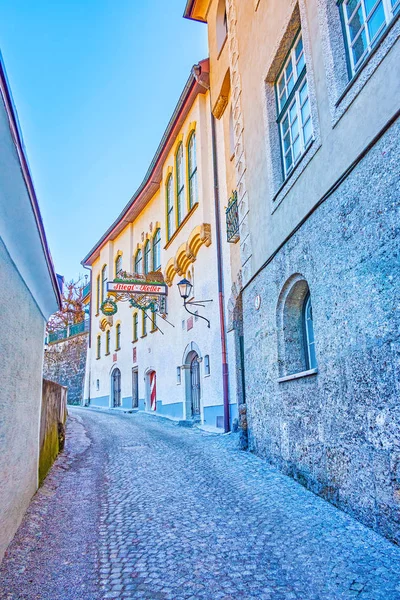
108,307
136,287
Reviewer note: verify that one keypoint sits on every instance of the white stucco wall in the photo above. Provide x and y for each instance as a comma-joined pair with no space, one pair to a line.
21,360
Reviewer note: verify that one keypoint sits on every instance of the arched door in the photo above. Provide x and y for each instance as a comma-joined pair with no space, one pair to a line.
195,386
116,387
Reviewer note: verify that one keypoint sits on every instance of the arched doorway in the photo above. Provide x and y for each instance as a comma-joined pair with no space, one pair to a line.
116,388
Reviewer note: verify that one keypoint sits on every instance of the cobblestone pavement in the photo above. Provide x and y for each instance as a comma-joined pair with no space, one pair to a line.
154,511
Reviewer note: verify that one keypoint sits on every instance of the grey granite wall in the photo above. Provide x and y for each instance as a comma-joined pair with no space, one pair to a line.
337,432
65,363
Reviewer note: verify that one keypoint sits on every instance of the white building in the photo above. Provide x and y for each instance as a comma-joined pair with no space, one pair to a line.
29,294
169,226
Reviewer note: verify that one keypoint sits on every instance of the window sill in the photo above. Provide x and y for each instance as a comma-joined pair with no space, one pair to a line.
291,179
153,330
298,375
185,220
143,336
117,349
135,340
107,354
98,357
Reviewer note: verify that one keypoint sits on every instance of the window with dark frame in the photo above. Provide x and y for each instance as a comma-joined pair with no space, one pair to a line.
180,184
192,168
157,250
178,375
99,346
118,337
118,265
103,283
108,336
135,326
147,257
138,261
294,109
170,207
98,294
207,365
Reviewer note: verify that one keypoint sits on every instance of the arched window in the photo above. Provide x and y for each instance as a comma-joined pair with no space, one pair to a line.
222,24
138,261
118,337
296,343
104,283
308,327
135,326
98,346
108,336
147,257
118,265
180,184
192,168
157,250
170,207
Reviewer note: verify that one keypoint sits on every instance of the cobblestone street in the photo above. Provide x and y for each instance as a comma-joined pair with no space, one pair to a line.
138,507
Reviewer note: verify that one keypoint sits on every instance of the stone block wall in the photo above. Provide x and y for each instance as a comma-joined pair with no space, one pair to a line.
52,421
337,432
65,363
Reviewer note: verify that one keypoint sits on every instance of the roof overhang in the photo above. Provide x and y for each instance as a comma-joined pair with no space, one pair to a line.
198,83
197,10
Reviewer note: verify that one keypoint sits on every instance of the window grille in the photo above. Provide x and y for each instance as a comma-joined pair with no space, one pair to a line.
232,219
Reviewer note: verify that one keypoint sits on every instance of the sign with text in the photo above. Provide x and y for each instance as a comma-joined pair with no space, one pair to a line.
137,288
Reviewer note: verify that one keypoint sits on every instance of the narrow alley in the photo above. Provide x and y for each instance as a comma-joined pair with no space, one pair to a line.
138,507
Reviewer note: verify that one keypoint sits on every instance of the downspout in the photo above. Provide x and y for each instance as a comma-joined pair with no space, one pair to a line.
88,356
225,372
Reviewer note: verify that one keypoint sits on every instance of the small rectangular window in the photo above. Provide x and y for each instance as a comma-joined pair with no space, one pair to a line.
365,21
206,365
144,323
178,375
294,111
97,384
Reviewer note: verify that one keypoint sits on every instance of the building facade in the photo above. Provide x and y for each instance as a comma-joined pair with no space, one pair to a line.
29,294
315,106
167,362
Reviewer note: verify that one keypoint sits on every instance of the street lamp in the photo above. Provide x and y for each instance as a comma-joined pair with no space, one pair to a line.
185,287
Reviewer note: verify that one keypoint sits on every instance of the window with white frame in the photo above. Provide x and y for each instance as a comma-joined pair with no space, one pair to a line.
118,265
294,109
365,21
308,328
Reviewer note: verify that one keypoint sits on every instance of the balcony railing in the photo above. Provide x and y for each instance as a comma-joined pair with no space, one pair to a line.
232,219
68,332
86,291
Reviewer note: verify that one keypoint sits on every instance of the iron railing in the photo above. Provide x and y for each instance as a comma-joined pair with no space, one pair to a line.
86,290
232,219
70,331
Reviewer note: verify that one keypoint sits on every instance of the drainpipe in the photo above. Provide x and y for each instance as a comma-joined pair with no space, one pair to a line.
203,80
225,372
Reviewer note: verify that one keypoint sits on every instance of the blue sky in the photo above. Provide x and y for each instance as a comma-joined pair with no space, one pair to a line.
95,83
